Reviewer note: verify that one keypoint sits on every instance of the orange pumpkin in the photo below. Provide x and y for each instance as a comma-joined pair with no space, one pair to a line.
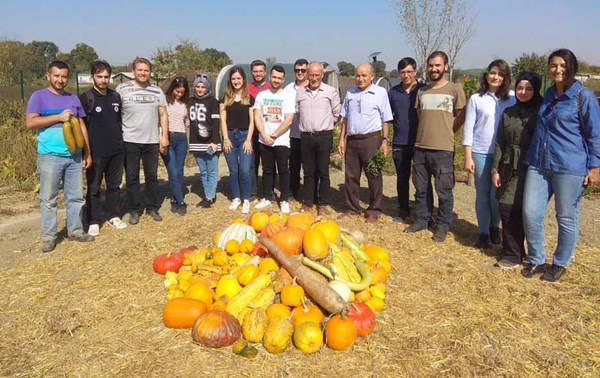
267,264
258,220
182,312
314,245
271,229
277,310
340,334
376,253
379,273
289,240
330,229
306,313
216,329
303,221
201,292
292,295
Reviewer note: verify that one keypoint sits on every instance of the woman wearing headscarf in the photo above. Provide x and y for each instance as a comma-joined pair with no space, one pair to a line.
508,170
563,158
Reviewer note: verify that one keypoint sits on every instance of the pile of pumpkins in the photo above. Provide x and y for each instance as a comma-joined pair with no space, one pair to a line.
236,293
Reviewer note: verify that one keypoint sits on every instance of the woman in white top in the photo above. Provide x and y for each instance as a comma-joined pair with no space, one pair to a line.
479,137
177,108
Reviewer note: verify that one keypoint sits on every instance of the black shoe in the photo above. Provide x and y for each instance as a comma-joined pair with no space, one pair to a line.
206,203
495,237
154,215
134,217
82,237
48,245
182,209
431,225
531,269
439,234
483,242
174,207
554,273
416,227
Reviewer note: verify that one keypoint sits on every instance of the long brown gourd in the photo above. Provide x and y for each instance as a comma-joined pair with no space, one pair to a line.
314,284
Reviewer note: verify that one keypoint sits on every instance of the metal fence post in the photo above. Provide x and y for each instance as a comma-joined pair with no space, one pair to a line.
77,81
21,81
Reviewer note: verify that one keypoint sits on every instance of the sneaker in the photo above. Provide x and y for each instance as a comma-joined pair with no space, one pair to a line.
506,264
495,237
117,223
207,203
439,235
174,207
182,210
246,207
416,227
285,207
399,220
48,245
531,269
483,242
134,217
262,204
94,230
554,273
154,215
82,237
235,204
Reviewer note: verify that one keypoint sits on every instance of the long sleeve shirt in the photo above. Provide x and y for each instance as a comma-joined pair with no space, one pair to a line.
317,110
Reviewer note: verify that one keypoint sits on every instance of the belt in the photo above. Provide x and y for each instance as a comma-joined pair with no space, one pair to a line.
364,136
317,133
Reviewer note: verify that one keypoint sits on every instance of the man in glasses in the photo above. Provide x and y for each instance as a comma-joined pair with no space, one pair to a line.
258,69
365,113
300,68
440,108
318,107
102,107
402,101
145,133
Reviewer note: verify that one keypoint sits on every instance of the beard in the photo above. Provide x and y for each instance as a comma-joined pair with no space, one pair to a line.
436,76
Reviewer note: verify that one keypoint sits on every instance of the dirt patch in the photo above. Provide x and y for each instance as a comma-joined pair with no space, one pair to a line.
95,309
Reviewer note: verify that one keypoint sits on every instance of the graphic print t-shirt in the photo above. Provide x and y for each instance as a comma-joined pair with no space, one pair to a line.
274,107
140,112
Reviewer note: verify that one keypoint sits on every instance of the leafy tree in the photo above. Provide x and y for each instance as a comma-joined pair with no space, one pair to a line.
345,69
43,52
530,62
585,67
15,56
188,58
270,60
214,60
393,73
81,56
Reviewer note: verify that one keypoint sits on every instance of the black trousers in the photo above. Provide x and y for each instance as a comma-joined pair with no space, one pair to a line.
148,155
356,158
513,234
111,169
295,166
439,165
316,150
271,156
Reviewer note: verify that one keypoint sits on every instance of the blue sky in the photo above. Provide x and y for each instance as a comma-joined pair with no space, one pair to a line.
326,30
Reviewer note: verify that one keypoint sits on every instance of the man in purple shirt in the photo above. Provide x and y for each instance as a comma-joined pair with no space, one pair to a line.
318,107
47,111
365,113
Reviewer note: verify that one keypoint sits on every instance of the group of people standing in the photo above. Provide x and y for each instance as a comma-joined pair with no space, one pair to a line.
521,148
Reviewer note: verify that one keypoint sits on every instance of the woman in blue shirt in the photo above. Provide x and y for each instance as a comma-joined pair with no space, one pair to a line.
564,156
479,140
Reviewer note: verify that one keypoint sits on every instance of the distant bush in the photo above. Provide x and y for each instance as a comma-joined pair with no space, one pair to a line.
18,146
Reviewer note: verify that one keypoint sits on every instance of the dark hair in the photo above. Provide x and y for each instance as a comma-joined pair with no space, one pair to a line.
278,68
436,54
257,62
504,89
408,61
98,66
570,60
178,82
300,62
229,94
142,60
58,64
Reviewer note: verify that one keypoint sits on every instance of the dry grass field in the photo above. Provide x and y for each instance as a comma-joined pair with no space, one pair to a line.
96,309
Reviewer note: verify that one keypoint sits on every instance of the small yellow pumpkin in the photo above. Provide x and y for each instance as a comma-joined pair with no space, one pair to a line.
278,335
308,337
247,273
314,245
227,286
330,229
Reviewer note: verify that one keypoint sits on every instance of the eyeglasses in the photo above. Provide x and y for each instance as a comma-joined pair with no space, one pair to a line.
300,70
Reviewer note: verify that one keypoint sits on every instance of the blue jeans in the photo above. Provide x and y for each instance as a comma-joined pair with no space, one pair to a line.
239,164
209,172
51,170
486,204
174,161
567,189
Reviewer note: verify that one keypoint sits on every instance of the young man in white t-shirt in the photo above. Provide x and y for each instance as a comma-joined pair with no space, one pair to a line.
273,114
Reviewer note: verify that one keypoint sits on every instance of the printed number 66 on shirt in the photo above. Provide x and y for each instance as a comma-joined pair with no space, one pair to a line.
198,113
